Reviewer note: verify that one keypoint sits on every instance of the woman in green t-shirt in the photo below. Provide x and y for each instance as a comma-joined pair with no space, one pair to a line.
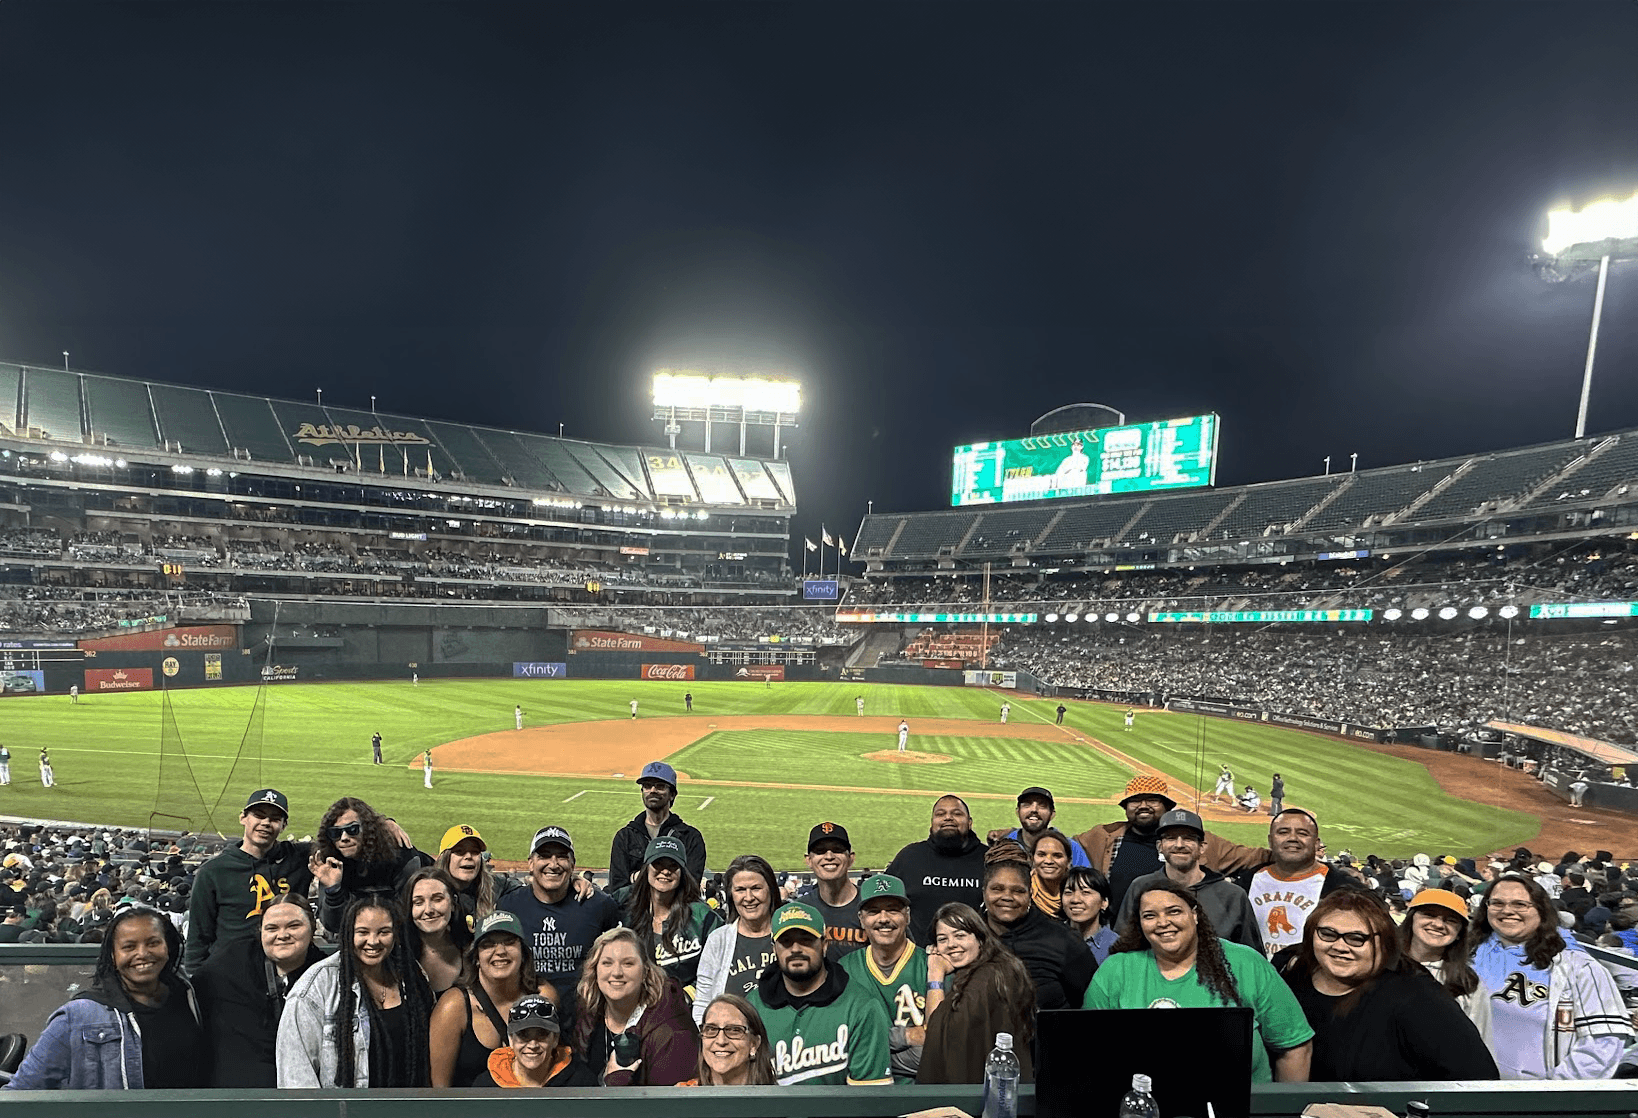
1171,958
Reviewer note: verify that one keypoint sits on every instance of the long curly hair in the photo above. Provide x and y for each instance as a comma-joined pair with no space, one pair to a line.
459,934
591,1003
1456,959
1390,957
760,1072
640,910
106,977
1211,968
375,846
1544,943
749,863
1012,979
411,1067
483,890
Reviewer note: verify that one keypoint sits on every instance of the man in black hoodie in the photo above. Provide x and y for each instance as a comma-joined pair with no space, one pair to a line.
230,890
1182,839
947,866
658,783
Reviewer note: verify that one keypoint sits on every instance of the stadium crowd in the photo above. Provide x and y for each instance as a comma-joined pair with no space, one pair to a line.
447,972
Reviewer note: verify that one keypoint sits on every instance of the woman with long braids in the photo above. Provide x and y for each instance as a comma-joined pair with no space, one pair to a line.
438,933
975,989
1171,956
1056,958
355,853
370,999
665,908
136,1026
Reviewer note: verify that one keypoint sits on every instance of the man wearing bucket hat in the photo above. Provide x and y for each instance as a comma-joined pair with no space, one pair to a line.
658,784
822,1028
896,969
1129,848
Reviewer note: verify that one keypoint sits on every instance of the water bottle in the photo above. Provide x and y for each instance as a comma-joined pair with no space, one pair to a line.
1001,1073
1138,1102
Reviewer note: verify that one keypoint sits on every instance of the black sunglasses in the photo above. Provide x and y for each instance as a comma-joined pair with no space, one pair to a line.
354,828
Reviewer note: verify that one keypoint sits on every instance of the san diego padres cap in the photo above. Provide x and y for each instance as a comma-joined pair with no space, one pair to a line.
882,886
458,834
829,832
794,916
551,835
269,797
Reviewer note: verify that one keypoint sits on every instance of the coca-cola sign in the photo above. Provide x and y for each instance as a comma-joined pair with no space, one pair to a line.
667,671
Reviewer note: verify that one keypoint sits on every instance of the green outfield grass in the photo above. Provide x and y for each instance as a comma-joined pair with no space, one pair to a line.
314,746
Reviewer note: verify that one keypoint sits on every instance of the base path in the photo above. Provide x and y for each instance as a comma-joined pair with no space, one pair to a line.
619,747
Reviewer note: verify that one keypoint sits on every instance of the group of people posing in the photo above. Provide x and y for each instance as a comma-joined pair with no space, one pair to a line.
446,974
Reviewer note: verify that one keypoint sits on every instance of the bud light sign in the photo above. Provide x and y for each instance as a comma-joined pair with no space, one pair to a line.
819,589
667,671
538,670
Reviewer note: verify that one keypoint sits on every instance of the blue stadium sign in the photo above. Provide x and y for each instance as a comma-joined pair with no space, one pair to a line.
539,670
819,589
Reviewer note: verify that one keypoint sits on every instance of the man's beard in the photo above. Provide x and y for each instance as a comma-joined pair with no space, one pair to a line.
948,842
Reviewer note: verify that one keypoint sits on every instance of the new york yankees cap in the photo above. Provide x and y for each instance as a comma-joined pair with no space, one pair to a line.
552,835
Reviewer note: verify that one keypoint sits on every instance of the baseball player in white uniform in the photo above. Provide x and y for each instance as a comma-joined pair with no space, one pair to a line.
1131,716
517,716
426,768
1225,784
858,705
904,734
634,708
5,765
1006,709
74,693
47,777
415,679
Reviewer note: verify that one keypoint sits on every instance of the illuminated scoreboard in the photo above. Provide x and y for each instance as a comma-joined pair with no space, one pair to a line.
1172,454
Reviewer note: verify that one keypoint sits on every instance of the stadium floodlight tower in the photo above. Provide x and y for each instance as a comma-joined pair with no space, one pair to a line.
1601,231
685,396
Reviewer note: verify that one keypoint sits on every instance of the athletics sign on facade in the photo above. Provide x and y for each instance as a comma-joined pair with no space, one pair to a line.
324,434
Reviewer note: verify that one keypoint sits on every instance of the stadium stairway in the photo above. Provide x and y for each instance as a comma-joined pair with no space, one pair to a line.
882,640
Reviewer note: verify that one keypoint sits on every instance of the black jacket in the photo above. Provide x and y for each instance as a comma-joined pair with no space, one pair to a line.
359,877
1056,958
631,843
241,1015
932,879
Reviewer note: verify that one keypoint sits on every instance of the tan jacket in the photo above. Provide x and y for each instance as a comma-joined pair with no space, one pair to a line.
1225,857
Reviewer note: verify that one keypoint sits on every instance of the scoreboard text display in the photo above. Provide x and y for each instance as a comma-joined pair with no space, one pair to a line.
1172,454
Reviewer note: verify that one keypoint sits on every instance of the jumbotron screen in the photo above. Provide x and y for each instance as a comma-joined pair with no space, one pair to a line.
1172,454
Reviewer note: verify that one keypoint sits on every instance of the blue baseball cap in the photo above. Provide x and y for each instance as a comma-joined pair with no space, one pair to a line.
659,770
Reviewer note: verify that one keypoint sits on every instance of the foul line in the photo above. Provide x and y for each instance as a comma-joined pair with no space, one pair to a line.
707,802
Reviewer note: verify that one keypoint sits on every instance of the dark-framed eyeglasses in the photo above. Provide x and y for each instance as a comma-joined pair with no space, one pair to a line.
354,828
1352,939
732,1032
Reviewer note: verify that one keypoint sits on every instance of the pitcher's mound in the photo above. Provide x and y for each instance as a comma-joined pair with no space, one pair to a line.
908,757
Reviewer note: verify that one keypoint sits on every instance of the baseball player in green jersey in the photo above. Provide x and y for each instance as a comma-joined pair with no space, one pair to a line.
824,1029
896,969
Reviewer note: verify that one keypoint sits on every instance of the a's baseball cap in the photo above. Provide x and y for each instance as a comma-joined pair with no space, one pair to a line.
1440,898
882,886
666,847
794,916
1147,786
498,921
532,1011
549,835
458,834
659,770
268,797
1037,793
1182,817
829,832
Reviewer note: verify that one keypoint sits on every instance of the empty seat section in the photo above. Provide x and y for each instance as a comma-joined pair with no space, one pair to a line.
1277,503
253,427
782,477
1595,478
602,471
563,467
118,412
925,533
1168,517
1084,525
1498,478
51,403
1379,493
468,451
668,475
875,532
519,461
754,479
716,484
630,464
11,379
187,416
999,531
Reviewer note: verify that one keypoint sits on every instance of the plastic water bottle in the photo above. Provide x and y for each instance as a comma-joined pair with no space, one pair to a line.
1001,1074
1138,1102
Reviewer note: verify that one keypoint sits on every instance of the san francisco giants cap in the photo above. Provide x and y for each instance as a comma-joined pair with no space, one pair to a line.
794,916
554,835
829,832
268,797
458,834
882,886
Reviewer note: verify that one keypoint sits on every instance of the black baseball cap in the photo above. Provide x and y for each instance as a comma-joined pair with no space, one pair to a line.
829,832
547,836
1037,792
268,797
533,1011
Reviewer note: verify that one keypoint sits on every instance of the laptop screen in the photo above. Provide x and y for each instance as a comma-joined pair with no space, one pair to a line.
1086,1059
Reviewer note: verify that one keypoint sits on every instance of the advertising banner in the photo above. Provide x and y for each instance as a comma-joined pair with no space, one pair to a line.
213,665
279,673
600,640
958,664
193,638
668,671
27,682
118,679
820,589
539,670
761,671
990,679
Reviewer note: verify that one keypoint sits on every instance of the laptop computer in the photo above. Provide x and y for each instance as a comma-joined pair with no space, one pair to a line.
1085,1060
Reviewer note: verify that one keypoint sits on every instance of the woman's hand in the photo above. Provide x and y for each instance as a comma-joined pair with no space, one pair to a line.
938,967
327,871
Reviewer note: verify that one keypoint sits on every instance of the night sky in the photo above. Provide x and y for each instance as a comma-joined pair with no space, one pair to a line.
946,219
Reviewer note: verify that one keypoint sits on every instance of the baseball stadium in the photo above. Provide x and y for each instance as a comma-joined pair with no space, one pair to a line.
205,593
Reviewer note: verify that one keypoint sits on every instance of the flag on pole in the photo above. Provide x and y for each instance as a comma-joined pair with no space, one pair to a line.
824,534
841,546
811,545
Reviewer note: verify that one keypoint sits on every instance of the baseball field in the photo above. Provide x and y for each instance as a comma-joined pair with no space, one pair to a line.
760,764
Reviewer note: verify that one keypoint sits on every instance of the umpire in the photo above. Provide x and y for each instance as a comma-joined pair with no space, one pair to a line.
658,783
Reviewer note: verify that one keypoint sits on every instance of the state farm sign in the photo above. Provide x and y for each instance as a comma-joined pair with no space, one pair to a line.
667,671
601,640
119,679
191,638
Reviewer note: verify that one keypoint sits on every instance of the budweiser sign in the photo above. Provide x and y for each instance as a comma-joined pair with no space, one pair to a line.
119,679
667,671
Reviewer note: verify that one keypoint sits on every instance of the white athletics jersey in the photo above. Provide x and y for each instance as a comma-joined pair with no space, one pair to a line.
1282,905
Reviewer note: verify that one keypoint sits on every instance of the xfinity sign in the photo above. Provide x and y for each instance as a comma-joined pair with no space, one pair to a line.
539,670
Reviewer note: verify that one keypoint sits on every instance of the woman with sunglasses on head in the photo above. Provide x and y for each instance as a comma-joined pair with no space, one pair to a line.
469,1021
243,988
663,905
734,1048
356,853
534,1054
1085,899
478,889
1434,933
1377,1014
633,1023
359,1018
1171,955
438,933
137,1026
1555,1011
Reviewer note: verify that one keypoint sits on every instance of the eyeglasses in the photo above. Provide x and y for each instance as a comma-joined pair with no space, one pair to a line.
1511,906
354,828
1352,939
732,1032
